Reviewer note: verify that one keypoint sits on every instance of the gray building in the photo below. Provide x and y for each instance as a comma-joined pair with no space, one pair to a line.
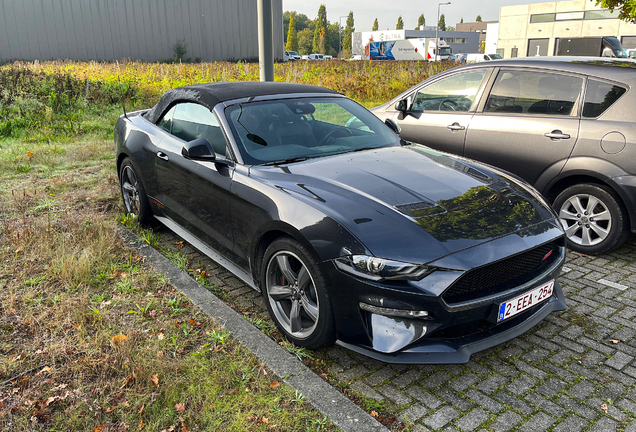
460,42
213,30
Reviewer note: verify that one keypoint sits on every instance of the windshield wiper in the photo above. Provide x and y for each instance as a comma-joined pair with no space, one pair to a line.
290,160
364,148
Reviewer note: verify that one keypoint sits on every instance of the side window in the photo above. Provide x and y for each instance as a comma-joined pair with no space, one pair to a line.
534,93
600,96
192,121
454,93
166,121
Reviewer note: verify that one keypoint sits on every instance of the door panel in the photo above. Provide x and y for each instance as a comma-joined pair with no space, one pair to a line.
439,113
530,123
196,195
518,144
432,129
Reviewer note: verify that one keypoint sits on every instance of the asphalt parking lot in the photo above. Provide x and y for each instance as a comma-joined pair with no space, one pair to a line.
573,372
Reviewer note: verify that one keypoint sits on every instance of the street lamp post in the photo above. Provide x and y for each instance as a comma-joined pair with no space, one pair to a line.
340,34
437,29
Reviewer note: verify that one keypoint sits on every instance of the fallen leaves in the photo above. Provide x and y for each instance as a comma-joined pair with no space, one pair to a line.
155,379
616,341
44,370
118,340
179,244
374,414
604,408
180,407
274,385
129,379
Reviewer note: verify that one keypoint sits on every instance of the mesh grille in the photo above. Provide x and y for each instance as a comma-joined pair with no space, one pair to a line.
501,275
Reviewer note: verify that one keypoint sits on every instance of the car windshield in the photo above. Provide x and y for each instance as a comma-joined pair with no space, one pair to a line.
294,53
287,130
495,56
444,51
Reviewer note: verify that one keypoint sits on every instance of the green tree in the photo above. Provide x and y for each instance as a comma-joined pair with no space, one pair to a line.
292,35
305,41
420,22
400,23
626,8
302,22
348,31
478,19
450,28
320,31
442,23
375,25
462,20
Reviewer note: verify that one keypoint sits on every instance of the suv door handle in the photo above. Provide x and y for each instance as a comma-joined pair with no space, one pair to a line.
456,127
162,155
557,135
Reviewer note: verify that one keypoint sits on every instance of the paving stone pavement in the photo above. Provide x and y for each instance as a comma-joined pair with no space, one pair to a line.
573,372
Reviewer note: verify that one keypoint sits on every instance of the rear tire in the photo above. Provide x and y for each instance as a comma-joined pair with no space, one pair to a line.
133,193
593,217
296,294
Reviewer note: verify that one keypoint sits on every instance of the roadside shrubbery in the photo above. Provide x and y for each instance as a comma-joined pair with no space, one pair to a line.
51,101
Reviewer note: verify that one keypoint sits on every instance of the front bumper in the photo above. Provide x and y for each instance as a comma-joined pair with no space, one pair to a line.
450,333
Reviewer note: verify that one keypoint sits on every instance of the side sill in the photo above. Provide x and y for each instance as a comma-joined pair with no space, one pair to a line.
208,251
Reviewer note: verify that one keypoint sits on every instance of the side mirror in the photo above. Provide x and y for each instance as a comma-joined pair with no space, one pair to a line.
199,149
393,125
401,106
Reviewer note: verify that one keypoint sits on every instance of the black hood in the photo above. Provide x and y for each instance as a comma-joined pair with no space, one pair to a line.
412,203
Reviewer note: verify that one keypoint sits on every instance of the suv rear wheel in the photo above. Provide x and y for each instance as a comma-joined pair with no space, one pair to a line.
593,218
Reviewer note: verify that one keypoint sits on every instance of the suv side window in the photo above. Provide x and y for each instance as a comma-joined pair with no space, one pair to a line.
192,121
166,121
600,96
453,93
525,92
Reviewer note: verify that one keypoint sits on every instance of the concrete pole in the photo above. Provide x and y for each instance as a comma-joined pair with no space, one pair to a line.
265,40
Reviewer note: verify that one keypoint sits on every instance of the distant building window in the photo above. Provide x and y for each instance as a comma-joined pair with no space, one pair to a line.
539,18
600,14
569,16
456,40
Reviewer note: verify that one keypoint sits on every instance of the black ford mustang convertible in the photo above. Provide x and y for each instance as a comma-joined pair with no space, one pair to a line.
352,235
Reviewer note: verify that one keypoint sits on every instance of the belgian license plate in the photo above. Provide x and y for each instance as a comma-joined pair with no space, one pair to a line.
517,305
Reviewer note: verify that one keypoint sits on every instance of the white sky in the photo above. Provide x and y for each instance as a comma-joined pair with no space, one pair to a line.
387,11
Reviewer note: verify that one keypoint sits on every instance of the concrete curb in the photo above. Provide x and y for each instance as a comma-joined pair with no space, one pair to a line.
326,399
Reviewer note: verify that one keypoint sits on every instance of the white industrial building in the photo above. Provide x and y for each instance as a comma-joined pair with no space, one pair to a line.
531,30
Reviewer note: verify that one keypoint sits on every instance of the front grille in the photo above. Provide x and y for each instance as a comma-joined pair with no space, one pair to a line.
502,275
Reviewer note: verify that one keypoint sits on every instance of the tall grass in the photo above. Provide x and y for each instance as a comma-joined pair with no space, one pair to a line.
49,101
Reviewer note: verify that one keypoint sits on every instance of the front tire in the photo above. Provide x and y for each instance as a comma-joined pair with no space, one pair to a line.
133,193
594,219
296,295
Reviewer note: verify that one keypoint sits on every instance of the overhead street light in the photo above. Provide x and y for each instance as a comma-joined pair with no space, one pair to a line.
437,29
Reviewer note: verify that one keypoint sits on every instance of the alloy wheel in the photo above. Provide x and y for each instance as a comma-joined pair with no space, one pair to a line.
130,191
586,219
292,294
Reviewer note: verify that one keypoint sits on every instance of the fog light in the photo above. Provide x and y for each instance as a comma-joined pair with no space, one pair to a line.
404,313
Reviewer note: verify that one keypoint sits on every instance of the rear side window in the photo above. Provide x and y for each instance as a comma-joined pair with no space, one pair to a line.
192,121
534,93
600,96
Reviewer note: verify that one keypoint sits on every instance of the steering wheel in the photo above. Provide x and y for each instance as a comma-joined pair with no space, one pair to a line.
450,104
333,132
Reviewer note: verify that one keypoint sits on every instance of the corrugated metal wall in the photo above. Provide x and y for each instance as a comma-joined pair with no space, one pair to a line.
147,30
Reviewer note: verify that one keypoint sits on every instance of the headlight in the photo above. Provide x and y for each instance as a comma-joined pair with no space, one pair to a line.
377,269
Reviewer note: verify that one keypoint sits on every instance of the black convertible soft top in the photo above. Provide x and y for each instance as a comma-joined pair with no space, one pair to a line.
211,94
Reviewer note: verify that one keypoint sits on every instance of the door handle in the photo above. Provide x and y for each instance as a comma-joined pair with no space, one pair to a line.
456,127
557,135
162,155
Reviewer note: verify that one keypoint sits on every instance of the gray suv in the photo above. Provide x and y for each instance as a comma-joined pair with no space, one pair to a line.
565,125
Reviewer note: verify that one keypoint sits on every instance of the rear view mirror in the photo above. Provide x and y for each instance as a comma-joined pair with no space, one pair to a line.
199,149
401,106
393,125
